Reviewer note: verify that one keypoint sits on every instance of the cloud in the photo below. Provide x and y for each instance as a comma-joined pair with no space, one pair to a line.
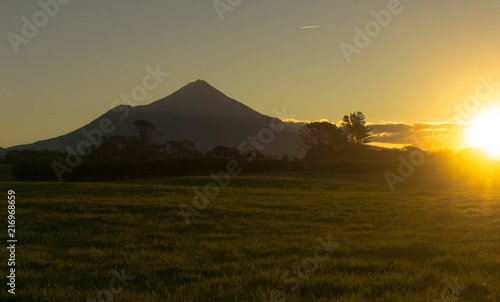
443,135
294,125
311,27
292,120
399,134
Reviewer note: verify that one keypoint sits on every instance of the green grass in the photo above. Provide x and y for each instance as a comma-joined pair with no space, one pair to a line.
398,246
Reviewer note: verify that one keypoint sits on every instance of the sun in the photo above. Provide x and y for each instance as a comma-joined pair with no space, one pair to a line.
485,133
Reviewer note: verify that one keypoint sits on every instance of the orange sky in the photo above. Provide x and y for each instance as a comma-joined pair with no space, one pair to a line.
429,58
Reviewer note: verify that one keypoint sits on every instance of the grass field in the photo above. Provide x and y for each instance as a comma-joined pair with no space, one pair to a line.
417,244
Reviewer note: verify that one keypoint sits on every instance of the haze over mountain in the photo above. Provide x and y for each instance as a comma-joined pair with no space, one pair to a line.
197,112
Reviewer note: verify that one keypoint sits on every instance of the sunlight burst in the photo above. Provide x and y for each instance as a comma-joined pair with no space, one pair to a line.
484,133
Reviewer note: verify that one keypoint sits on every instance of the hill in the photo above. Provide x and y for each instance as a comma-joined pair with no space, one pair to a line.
197,112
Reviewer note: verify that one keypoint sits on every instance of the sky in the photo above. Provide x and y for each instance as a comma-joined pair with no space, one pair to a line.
419,62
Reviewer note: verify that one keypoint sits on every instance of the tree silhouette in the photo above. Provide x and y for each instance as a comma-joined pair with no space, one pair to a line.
147,134
322,135
357,133
321,139
223,151
117,146
184,148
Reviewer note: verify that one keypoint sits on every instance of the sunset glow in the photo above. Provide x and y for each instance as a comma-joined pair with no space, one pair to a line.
483,133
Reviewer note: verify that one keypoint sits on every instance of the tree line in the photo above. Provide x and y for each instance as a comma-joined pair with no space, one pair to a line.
140,156
328,147
325,140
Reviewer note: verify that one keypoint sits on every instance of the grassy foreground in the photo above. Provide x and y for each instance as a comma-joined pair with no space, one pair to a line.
417,244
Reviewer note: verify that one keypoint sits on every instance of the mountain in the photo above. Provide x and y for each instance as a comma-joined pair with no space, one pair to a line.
197,112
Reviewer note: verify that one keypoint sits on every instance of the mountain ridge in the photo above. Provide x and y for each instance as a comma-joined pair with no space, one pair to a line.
197,112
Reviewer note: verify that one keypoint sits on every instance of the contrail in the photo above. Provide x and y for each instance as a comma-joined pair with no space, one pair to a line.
309,27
